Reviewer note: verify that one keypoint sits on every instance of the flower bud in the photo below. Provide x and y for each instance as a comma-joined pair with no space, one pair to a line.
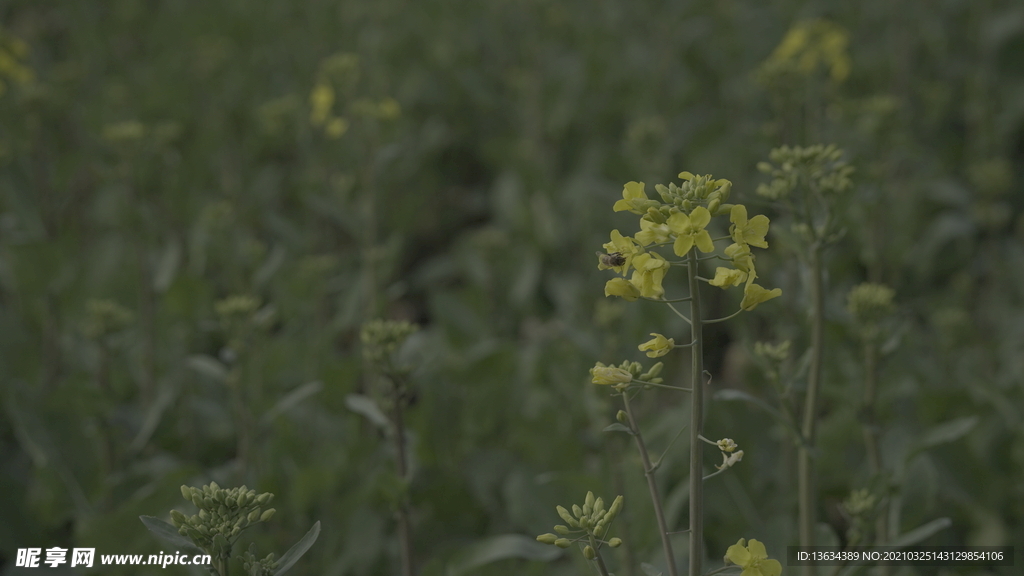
589,553
254,515
615,508
186,492
615,542
562,529
599,529
621,416
577,511
598,507
177,518
267,514
547,538
585,522
264,498
563,543
567,517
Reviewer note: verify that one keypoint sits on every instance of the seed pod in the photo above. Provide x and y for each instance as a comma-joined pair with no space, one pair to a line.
577,511
621,416
563,530
567,517
589,553
563,543
615,542
267,515
547,538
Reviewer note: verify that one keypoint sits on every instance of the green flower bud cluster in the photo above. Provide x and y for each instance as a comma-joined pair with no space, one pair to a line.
105,317
820,167
586,524
860,507
223,514
775,353
870,303
622,376
696,191
254,567
381,338
236,308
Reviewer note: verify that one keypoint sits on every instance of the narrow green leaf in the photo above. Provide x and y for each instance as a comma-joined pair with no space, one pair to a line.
730,394
366,406
295,552
207,366
167,268
168,533
947,432
616,427
921,532
649,569
501,547
291,399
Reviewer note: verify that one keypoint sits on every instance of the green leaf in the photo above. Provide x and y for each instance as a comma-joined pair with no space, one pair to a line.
207,366
295,552
501,547
730,394
616,427
921,532
167,267
649,569
366,406
943,434
291,399
168,533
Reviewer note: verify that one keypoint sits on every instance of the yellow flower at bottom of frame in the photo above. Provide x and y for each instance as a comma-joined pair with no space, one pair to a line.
753,558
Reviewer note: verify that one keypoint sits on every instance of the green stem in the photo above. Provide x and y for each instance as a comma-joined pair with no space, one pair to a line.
696,423
805,468
720,570
597,556
652,487
871,438
403,513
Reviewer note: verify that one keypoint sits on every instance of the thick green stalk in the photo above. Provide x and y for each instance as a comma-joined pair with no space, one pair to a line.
652,487
696,422
805,468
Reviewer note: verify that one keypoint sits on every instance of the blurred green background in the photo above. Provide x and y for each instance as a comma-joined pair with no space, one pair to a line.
453,163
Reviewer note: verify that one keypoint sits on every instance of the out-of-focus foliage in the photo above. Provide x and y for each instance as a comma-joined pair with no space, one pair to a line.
200,204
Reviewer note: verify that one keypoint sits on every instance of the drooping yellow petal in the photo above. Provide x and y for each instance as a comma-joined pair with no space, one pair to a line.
771,567
622,288
755,294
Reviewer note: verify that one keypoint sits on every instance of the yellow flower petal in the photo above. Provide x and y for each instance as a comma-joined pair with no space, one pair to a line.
738,553
622,288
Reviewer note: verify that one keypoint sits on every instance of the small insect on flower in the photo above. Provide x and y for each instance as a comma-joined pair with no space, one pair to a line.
612,260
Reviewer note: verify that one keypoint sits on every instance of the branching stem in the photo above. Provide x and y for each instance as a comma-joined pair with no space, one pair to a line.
696,423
